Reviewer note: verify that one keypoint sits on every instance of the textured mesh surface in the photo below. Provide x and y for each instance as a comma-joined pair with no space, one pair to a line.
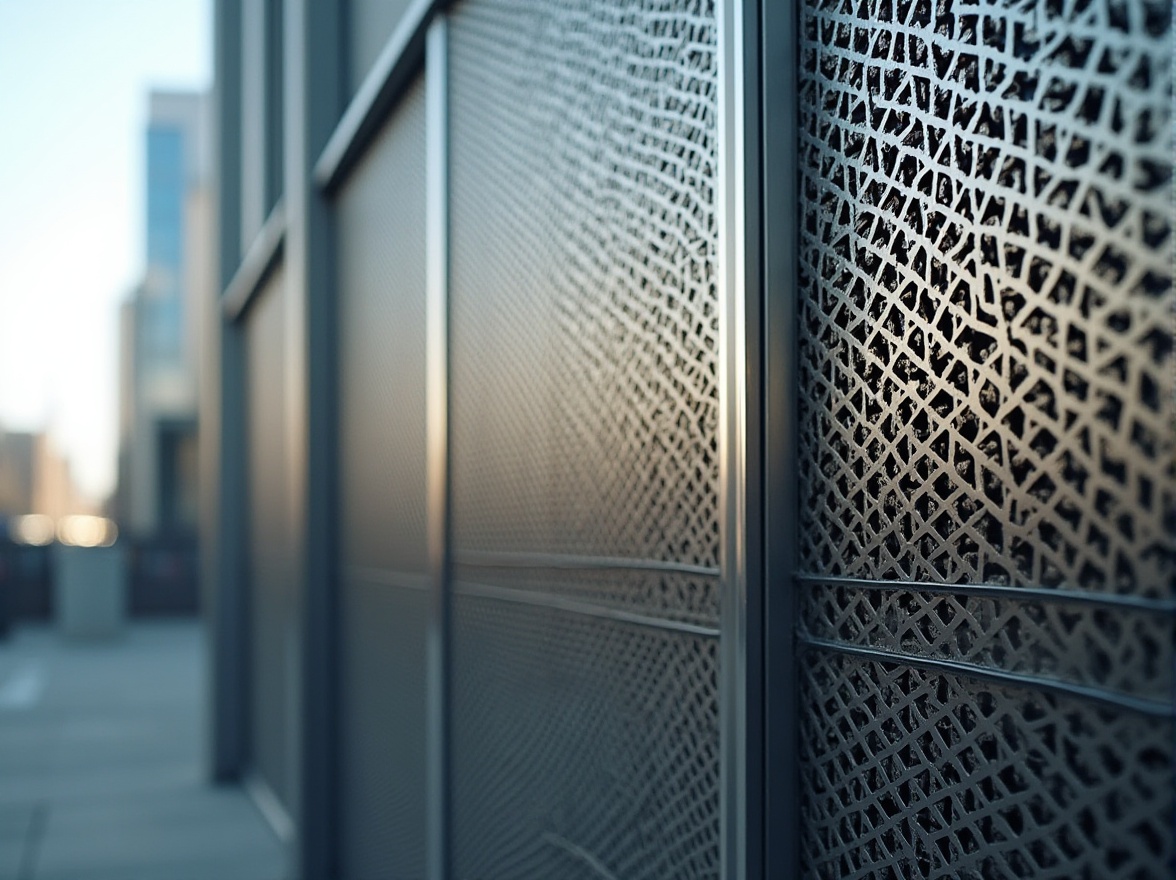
382,480
583,345
583,316
273,586
1126,651
667,595
382,356
382,766
985,368
986,257
582,744
911,773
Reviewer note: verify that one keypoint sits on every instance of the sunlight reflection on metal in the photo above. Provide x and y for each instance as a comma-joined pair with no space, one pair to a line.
82,530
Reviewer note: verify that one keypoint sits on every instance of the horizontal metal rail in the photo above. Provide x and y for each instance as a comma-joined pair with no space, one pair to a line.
584,563
390,577
1000,591
576,606
1154,708
259,262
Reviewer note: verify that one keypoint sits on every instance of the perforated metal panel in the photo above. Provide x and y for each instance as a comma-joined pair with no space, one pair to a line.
273,572
383,595
582,747
583,310
584,409
986,434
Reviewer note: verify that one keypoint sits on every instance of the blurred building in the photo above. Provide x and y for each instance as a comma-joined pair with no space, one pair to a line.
701,439
159,328
17,455
35,477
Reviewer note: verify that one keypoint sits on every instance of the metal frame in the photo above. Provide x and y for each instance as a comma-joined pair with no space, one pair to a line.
437,403
260,260
778,399
227,611
299,231
740,454
377,96
313,86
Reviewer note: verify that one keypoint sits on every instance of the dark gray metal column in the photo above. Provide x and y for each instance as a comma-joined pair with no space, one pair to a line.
224,589
778,398
313,100
740,439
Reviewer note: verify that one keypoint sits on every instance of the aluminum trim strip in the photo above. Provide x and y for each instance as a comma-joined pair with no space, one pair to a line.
438,504
377,95
998,591
1144,706
259,261
390,577
574,606
570,562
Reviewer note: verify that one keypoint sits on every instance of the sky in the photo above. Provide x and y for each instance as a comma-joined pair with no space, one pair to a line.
74,78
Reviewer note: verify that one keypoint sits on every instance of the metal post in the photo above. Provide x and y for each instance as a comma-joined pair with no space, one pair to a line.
225,451
780,219
437,329
312,103
738,201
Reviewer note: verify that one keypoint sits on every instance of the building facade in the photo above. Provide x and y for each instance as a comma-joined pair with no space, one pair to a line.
696,439
160,323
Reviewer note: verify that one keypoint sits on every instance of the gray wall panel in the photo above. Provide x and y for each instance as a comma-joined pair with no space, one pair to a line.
584,415
369,25
382,767
582,747
584,312
273,549
384,606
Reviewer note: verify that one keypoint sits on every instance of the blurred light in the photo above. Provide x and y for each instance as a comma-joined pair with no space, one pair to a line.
35,529
86,531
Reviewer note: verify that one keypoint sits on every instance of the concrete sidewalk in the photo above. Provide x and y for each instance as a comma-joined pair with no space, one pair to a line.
100,765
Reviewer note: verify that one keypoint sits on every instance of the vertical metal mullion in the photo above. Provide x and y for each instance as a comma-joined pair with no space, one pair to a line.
225,584
781,223
437,330
737,206
312,104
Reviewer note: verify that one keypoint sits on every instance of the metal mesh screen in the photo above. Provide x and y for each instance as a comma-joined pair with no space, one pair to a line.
583,747
584,311
986,363
583,347
384,602
273,573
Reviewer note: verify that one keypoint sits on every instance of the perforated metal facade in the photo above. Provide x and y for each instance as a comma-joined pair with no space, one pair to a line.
986,401
273,571
583,351
384,574
670,526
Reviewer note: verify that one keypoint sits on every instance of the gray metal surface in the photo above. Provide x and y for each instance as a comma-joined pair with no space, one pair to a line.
986,399
272,545
439,506
382,448
584,406
581,747
584,310
369,25
382,735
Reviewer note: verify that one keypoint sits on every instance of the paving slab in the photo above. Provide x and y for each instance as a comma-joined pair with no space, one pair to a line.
101,774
